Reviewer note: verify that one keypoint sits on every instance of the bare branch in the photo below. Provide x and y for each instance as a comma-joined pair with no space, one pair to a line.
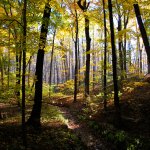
79,4
87,5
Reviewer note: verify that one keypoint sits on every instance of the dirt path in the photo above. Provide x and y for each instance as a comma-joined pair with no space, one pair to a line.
92,142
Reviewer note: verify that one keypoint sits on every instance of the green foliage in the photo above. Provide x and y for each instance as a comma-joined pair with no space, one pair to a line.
65,88
119,138
53,113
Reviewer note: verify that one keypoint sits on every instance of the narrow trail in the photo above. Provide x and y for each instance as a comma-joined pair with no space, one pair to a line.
92,142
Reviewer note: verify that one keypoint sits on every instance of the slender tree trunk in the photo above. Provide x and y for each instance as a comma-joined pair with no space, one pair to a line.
79,63
114,62
2,71
34,119
88,44
29,70
137,54
18,75
23,74
140,53
51,62
120,47
148,67
83,53
76,57
57,71
8,74
105,58
126,19
143,32
84,8
94,61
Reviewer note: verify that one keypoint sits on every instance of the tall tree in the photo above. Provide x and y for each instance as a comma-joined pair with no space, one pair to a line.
34,119
76,55
84,8
24,72
143,33
114,63
51,62
105,56
125,23
120,40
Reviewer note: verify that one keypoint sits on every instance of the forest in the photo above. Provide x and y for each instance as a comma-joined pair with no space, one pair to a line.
74,75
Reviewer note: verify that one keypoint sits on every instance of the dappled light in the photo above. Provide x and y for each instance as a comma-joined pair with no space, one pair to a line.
74,75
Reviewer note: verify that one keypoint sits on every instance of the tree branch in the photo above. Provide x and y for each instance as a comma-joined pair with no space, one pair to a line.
87,5
79,4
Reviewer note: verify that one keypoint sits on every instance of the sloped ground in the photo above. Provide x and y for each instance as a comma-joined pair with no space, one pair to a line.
81,127
135,109
54,134
136,105
83,131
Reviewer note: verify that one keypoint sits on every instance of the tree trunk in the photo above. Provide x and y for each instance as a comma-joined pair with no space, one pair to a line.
84,8
143,32
88,44
8,77
57,71
2,70
51,62
24,73
126,19
94,61
18,72
140,53
76,57
120,47
79,63
105,57
34,119
114,62
29,70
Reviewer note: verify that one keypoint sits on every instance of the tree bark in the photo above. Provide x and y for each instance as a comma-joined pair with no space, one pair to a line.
120,47
94,61
76,57
8,70
84,8
34,119
114,62
51,62
126,19
143,32
2,71
24,73
105,58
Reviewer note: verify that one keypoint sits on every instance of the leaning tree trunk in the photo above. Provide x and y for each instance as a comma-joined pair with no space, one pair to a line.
34,119
143,33
114,62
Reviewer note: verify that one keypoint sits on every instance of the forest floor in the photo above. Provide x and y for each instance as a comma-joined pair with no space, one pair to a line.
83,126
